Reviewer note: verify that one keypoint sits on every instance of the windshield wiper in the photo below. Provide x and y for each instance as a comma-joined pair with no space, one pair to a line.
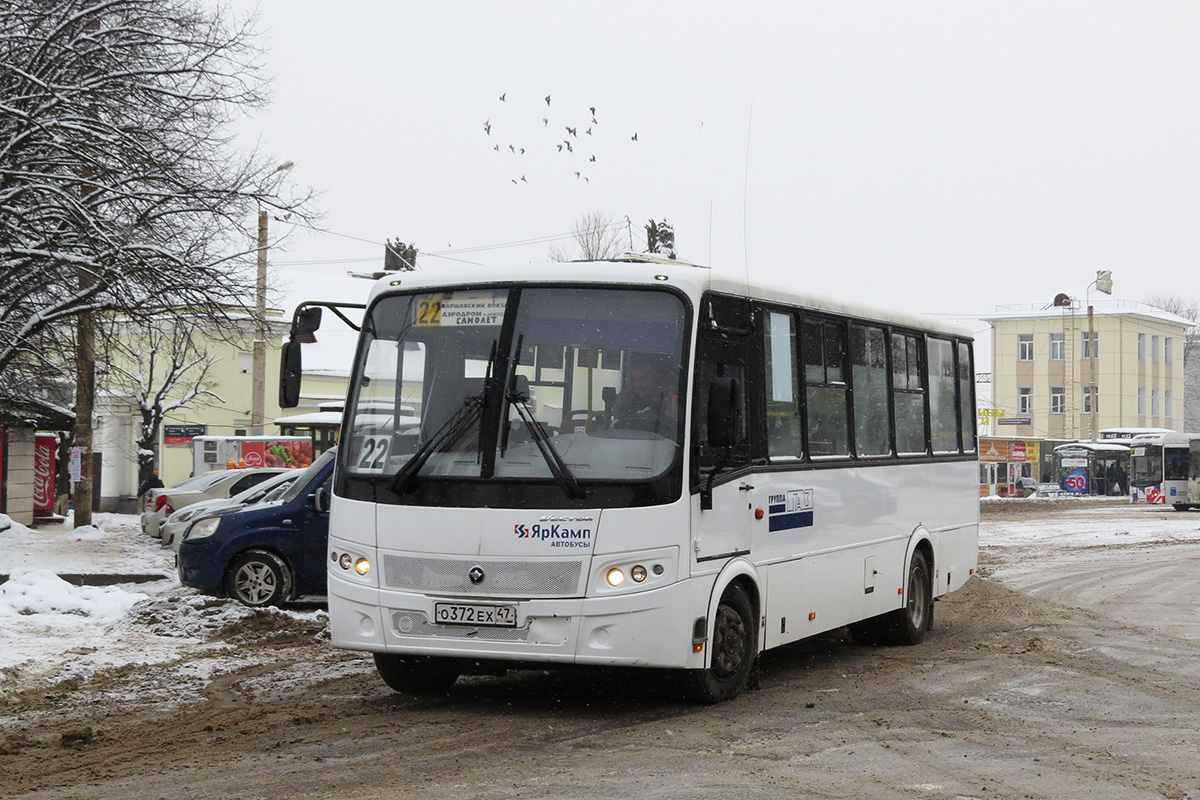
518,395
448,434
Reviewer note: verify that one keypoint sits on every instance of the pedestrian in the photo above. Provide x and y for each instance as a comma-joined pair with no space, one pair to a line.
153,482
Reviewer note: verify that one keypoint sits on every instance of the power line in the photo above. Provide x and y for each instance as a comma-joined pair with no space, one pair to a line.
614,226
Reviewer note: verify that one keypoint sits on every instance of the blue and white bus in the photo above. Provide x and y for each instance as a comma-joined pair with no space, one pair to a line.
641,463
1158,469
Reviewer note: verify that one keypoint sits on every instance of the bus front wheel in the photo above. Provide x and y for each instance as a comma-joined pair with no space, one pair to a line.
733,648
416,674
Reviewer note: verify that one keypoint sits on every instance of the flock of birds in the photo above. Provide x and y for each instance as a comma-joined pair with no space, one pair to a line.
578,151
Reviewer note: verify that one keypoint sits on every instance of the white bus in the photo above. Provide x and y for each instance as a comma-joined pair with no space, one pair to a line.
1158,469
639,463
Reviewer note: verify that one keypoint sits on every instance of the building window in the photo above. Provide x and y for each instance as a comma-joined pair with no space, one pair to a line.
1168,402
1154,402
1142,401
1168,351
1024,401
1058,347
1024,347
1091,348
1090,398
1058,400
1153,349
1141,347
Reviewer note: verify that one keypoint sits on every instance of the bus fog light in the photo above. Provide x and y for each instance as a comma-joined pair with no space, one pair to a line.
615,577
362,566
345,561
638,573
658,569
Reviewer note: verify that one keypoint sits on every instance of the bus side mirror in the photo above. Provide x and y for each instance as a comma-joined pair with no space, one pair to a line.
289,375
724,411
306,323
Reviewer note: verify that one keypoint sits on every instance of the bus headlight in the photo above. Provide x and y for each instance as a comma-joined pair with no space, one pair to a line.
361,565
638,571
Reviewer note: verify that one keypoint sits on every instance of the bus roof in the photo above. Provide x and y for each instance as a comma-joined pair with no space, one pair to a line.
652,271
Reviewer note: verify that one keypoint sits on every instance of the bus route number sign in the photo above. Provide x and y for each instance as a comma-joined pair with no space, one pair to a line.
459,310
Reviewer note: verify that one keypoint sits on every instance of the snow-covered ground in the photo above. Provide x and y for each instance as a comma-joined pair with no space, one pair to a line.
53,630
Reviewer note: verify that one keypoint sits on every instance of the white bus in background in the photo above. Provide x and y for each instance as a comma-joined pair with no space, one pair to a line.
1159,469
1127,435
641,463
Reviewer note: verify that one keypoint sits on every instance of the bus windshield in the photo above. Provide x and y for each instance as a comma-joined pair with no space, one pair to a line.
1146,465
544,383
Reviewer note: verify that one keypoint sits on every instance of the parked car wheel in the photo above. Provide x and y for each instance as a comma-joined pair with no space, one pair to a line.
258,578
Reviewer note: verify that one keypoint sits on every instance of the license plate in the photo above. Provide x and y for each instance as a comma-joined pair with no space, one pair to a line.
473,614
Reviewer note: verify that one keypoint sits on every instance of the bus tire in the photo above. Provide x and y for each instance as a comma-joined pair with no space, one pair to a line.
732,650
258,578
422,675
907,625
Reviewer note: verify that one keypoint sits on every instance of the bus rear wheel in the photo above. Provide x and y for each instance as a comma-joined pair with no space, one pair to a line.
906,625
416,674
732,650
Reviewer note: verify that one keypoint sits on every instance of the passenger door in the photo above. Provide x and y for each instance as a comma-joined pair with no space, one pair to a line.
723,509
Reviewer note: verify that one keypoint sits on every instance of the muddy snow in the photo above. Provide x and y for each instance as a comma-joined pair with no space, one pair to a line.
1068,668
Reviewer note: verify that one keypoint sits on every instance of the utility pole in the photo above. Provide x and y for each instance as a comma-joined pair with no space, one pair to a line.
259,388
1103,283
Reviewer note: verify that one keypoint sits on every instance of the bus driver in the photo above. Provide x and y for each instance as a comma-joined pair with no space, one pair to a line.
649,400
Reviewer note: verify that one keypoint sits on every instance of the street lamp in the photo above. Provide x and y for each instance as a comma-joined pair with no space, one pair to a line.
258,398
1103,283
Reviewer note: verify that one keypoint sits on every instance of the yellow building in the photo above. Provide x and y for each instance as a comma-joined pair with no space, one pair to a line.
226,412
1046,361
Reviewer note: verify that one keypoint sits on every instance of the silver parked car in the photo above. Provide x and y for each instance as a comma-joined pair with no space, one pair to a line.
172,528
162,503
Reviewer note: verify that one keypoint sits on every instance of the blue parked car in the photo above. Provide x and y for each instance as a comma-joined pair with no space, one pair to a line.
268,553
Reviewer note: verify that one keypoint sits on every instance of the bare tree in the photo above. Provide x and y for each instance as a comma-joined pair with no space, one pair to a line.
597,236
120,189
159,367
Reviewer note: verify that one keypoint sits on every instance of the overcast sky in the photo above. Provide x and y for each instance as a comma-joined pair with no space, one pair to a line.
940,157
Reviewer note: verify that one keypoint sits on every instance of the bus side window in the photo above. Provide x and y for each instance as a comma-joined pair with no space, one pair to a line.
783,397
869,387
908,393
825,387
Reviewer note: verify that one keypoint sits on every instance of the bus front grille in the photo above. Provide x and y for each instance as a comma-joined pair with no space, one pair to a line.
552,578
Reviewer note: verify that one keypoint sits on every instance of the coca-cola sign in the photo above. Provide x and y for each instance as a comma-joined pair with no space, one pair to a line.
45,449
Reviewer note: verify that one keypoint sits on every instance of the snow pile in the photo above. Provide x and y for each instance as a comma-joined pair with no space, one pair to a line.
53,631
41,593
